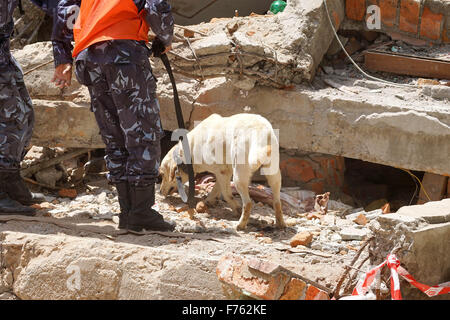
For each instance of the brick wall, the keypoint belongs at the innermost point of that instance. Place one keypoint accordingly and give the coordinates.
(312, 171)
(424, 19)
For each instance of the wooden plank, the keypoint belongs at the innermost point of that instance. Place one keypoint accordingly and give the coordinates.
(435, 185)
(407, 65)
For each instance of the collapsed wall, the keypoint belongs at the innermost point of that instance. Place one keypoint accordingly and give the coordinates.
(400, 127)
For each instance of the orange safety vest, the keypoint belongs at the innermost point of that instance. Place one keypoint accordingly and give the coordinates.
(101, 20)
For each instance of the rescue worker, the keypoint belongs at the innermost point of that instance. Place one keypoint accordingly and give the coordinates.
(112, 60)
(16, 118)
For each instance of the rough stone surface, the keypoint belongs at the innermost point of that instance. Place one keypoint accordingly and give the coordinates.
(422, 248)
(353, 234)
(46, 266)
(297, 39)
(154, 266)
(432, 212)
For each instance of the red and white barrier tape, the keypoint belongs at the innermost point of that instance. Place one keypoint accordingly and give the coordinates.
(394, 264)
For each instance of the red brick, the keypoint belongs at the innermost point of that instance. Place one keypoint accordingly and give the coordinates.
(430, 26)
(234, 271)
(263, 266)
(295, 290)
(446, 35)
(409, 16)
(336, 179)
(301, 239)
(317, 187)
(68, 193)
(388, 10)
(297, 170)
(355, 9)
(312, 293)
(341, 163)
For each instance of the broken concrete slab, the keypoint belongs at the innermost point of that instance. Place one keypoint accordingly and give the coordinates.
(63, 267)
(276, 50)
(433, 212)
(351, 233)
(422, 247)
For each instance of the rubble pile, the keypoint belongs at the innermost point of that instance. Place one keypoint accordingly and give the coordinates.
(274, 50)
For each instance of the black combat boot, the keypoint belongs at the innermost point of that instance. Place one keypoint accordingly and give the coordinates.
(141, 215)
(13, 184)
(124, 202)
(11, 207)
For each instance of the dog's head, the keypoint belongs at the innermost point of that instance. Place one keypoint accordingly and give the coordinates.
(168, 171)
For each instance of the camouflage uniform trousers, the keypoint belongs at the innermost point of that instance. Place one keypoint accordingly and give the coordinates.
(123, 99)
(16, 116)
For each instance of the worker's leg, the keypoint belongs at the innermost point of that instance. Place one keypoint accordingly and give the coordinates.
(106, 114)
(133, 89)
(16, 125)
(105, 111)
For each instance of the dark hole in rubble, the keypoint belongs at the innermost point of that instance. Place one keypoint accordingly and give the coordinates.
(369, 183)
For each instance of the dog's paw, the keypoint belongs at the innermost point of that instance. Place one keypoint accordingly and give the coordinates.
(241, 227)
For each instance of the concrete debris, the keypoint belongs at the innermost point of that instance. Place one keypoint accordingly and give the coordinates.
(259, 279)
(277, 50)
(353, 234)
(421, 237)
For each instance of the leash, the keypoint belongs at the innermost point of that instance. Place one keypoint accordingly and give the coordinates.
(181, 166)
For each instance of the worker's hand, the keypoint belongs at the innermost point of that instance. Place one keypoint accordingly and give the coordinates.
(167, 49)
(63, 75)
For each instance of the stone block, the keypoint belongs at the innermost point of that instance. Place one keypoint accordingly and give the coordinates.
(432, 212)
(351, 233)
(422, 250)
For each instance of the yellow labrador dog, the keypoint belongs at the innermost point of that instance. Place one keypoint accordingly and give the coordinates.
(230, 147)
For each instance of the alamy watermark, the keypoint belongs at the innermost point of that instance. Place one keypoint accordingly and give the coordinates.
(73, 283)
(373, 20)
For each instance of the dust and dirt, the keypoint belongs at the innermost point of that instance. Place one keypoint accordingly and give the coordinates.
(210, 235)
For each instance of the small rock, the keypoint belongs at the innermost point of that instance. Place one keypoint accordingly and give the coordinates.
(361, 219)
(303, 238)
(328, 69)
(201, 207)
(313, 215)
(68, 193)
(335, 237)
(292, 222)
(43, 205)
(266, 240)
(353, 234)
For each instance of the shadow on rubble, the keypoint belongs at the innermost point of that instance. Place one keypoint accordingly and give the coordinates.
(107, 230)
